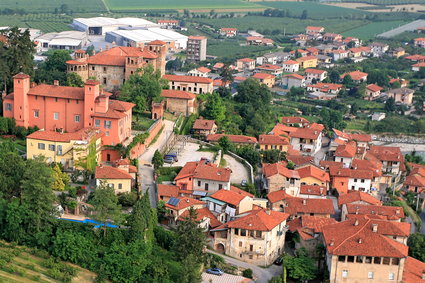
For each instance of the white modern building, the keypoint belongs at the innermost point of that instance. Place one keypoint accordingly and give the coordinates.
(102, 25)
(69, 40)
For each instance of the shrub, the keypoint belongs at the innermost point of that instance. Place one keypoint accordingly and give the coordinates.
(247, 273)
(127, 199)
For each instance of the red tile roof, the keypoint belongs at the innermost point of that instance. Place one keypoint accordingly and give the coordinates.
(273, 140)
(306, 58)
(306, 133)
(279, 168)
(57, 91)
(413, 271)
(202, 213)
(313, 28)
(295, 76)
(157, 42)
(202, 124)
(415, 180)
(324, 87)
(387, 153)
(282, 130)
(294, 120)
(116, 109)
(197, 37)
(356, 75)
(203, 70)
(232, 138)
(364, 164)
(290, 62)
(350, 173)
(109, 172)
(229, 196)
(246, 60)
(307, 226)
(201, 170)
(314, 71)
(116, 56)
(269, 67)
(354, 196)
(188, 79)
(346, 150)
(300, 159)
(313, 171)
(388, 212)
(356, 237)
(276, 196)
(263, 76)
(184, 203)
(415, 57)
(167, 191)
(374, 87)
(259, 220)
(83, 134)
(306, 206)
(328, 164)
(313, 190)
(179, 94)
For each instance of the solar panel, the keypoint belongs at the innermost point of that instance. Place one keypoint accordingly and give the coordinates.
(173, 201)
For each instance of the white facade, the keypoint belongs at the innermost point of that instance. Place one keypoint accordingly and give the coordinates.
(102, 25)
(345, 160)
(363, 185)
(209, 185)
(306, 146)
(291, 68)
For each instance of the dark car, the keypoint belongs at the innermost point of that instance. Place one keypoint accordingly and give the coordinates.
(172, 155)
(215, 271)
(279, 260)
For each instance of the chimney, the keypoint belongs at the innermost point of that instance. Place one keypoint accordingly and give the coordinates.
(33, 84)
(360, 241)
(423, 274)
(3, 94)
(187, 200)
(321, 190)
(375, 228)
(331, 243)
(397, 211)
(356, 223)
(268, 211)
(55, 82)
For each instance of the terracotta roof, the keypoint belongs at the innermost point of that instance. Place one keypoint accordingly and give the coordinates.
(202, 213)
(157, 42)
(259, 220)
(300, 159)
(419, 39)
(415, 180)
(203, 70)
(241, 192)
(361, 137)
(83, 134)
(179, 94)
(282, 130)
(263, 76)
(132, 169)
(315, 71)
(202, 124)
(354, 196)
(313, 190)
(295, 76)
(228, 29)
(368, 164)
(21, 76)
(350, 173)
(313, 223)
(355, 237)
(302, 205)
(328, 164)
(314, 28)
(184, 203)
(415, 57)
(356, 75)
(290, 62)
(374, 87)
(324, 87)
(294, 120)
(116, 56)
(109, 172)
(346, 150)
(229, 196)
(232, 138)
(276, 196)
(201, 170)
(313, 171)
(273, 140)
(306, 133)
(218, 65)
(57, 91)
(389, 212)
(279, 168)
(269, 67)
(168, 21)
(387, 153)
(306, 58)
(246, 60)
(197, 37)
(116, 109)
(419, 65)
(167, 191)
(413, 271)
(75, 62)
(188, 79)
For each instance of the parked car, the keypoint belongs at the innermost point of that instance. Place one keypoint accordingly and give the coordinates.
(244, 183)
(172, 155)
(215, 271)
(169, 160)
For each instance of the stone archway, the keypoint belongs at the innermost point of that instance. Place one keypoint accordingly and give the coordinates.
(219, 248)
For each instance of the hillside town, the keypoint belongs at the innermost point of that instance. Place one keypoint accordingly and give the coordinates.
(128, 150)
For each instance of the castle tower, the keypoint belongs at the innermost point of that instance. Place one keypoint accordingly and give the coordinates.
(91, 91)
(21, 85)
(160, 49)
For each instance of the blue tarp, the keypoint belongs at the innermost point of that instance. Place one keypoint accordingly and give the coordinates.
(90, 221)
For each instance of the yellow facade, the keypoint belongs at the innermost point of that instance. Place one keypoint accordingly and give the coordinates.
(310, 63)
(312, 181)
(120, 186)
(280, 147)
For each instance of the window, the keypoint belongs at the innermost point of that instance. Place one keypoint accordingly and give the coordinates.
(59, 149)
(41, 146)
(77, 118)
(341, 258)
(370, 275)
(52, 147)
(107, 124)
(251, 248)
(355, 180)
(220, 186)
(93, 68)
(56, 116)
(391, 276)
(199, 183)
(119, 186)
(56, 99)
(104, 81)
(97, 123)
(350, 258)
(107, 133)
(344, 273)
(368, 259)
(8, 107)
(36, 113)
(395, 261)
(111, 185)
(362, 180)
(104, 69)
(243, 232)
(377, 260)
(240, 243)
(359, 259)
(236, 231)
(386, 260)
(206, 187)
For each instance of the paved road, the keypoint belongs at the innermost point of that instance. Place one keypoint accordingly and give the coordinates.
(145, 167)
(407, 27)
(262, 275)
(321, 154)
(239, 171)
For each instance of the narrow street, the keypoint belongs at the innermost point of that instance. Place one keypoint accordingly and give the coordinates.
(146, 169)
(262, 275)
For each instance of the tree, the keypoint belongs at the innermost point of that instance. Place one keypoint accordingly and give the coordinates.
(105, 206)
(74, 79)
(390, 105)
(416, 243)
(253, 93)
(16, 55)
(247, 273)
(273, 156)
(142, 220)
(378, 77)
(214, 108)
(60, 179)
(300, 267)
(225, 144)
(157, 160)
(290, 165)
(73, 247)
(332, 119)
(190, 238)
(334, 76)
(54, 68)
(143, 87)
(354, 108)
(226, 74)
(347, 81)
(304, 15)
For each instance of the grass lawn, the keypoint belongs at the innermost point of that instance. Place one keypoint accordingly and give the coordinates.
(372, 29)
(357, 124)
(142, 123)
(120, 5)
(167, 174)
(364, 104)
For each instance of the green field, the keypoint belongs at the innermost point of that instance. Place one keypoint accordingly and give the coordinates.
(127, 5)
(372, 29)
(289, 25)
(46, 6)
(386, 2)
(314, 10)
(44, 22)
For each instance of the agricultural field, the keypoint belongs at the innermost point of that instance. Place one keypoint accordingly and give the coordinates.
(22, 264)
(44, 22)
(129, 5)
(288, 25)
(370, 30)
(314, 10)
(46, 6)
(386, 2)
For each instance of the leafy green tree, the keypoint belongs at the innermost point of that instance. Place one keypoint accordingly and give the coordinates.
(225, 144)
(290, 165)
(15, 215)
(16, 55)
(253, 93)
(347, 81)
(105, 206)
(332, 119)
(226, 74)
(60, 179)
(143, 87)
(390, 105)
(157, 160)
(214, 108)
(334, 76)
(354, 108)
(378, 77)
(142, 220)
(72, 246)
(304, 15)
(249, 154)
(300, 267)
(416, 243)
(12, 169)
(273, 156)
(74, 79)
(368, 126)
(191, 270)
(54, 68)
